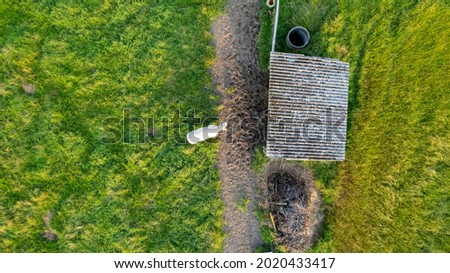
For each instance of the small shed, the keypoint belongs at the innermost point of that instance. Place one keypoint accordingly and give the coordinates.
(308, 102)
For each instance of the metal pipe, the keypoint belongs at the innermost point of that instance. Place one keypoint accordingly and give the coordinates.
(275, 26)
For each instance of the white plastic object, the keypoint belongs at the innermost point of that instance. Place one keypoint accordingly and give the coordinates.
(205, 133)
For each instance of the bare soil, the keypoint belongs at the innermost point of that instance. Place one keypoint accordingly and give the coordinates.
(49, 234)
(243, 90)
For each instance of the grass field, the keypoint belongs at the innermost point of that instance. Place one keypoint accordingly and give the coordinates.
(391, 194)
(89, 63)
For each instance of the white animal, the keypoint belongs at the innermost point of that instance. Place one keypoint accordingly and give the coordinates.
(205, 133)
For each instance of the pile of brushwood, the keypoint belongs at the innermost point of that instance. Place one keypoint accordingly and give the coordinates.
(294, 204)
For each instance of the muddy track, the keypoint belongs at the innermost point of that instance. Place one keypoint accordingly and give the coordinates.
(243, 91)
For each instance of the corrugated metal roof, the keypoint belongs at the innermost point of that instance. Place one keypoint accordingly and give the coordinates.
(308, 101)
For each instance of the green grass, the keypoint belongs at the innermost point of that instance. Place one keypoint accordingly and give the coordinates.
(259, 159)
(310, 14)
(89, 62)
(391, 194)
(242, 204)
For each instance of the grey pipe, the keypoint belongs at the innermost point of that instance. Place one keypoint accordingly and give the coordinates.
(275, 26)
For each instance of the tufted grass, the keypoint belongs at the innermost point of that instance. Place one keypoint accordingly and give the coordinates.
(91, 63)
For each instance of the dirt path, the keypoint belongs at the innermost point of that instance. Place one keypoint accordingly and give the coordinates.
(243, 90)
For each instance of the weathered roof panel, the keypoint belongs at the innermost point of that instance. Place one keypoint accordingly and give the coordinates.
(308, 101)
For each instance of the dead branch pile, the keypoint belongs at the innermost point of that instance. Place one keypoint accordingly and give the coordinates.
(294, 203)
